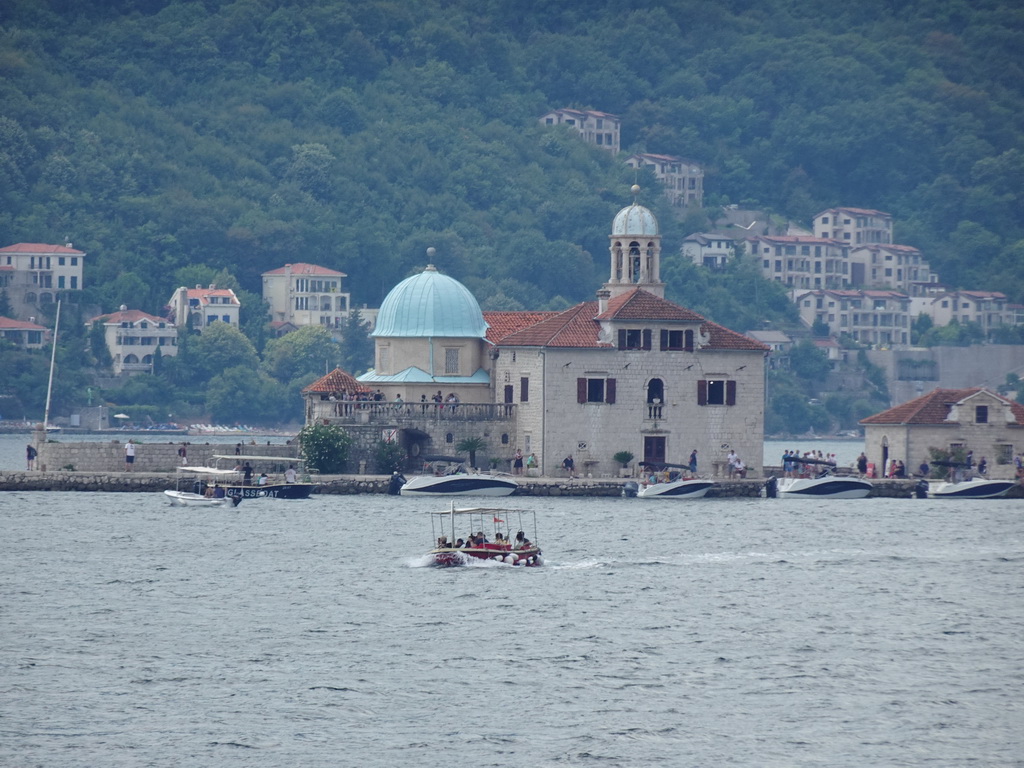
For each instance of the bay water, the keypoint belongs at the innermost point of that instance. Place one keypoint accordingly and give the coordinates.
(756, 632)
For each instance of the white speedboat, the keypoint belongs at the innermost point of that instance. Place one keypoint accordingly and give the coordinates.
(460, 484)
(674, 485)
(693, 488)
(449, 478)
(825, 485)
(974, 488)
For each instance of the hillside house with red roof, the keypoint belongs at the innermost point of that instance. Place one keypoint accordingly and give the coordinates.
(32, 274)
(134, 339)
(204, 306)
(973, 418)
(598, 128)
(23, 334)
(306, 294)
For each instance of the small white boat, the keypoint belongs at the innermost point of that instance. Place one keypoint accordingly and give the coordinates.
(676, 486)
(826, 485)
(455, 481)
(189, 499)
(974, 488)
(193, 483)
(693, 488)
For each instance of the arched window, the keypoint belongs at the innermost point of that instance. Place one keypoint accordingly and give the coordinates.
(449, 438)
(131, 359)
(655, 398)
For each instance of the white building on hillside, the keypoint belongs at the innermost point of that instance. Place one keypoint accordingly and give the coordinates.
(32, 274)
(682, 179)
(709, 249)
(598, 128)
(135, 338)
(204, 306)
(306, 294)
(854, 226)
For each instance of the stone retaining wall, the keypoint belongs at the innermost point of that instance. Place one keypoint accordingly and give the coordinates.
(154, 482)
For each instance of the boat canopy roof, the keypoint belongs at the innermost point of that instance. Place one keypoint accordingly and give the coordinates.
(451, 459)
(657, 464)
(206, 471)
(242, 458)
(480, 511)
(950, 463)
(798, 460)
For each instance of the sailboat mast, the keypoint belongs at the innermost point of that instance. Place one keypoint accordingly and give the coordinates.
(53, 359)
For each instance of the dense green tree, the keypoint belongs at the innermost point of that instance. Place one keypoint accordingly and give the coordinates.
(308, 350)
(221, 346)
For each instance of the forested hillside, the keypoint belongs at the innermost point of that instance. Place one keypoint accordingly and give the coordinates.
(241, 135)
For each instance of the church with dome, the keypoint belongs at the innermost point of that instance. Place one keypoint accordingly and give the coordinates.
(628, 371)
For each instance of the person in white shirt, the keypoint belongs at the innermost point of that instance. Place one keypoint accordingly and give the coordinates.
(289, 475)
(731, 458)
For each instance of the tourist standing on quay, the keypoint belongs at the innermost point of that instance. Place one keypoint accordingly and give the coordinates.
(129, 455)
(30, 456)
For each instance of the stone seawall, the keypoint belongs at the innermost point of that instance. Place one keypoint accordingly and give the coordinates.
(154, 482)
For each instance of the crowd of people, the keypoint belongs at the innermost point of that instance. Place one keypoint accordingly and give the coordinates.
(478, 540)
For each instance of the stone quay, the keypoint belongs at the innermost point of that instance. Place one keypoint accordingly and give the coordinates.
(154, 482)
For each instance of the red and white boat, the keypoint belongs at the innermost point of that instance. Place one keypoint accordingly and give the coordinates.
(475, 544)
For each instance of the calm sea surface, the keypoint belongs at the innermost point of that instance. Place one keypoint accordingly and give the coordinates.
(703, 633)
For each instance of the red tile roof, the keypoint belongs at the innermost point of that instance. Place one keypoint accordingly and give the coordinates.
(306, 269)
(335, 381)
(934, 407)
(41, 248)
(8, 324)
(580, 326)
(128, 316)
(502, 324)
(638, 304)
(575, 327)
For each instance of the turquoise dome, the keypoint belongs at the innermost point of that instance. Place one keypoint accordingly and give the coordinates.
(634, 220)
(430, 304)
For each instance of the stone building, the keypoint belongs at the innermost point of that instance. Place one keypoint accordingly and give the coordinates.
(629, 371)
(972, 418)
(682, 180)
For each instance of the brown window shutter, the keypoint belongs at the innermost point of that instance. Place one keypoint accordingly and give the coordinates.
(688, 337)
(581, 390)
(664, 339)
(524, 389)
(622, 338)
(609, 391)
(730, 393)
(702, 392)
(647, 338)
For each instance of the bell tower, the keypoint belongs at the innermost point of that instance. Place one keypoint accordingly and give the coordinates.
(635, 250)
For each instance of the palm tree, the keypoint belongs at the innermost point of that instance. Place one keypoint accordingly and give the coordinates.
(471, 445)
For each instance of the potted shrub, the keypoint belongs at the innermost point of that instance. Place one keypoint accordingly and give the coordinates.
(623, 457)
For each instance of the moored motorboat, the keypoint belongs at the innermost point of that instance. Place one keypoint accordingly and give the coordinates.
(974, 488)
(671, 484)
(518, 550)
(297, 483)
(826, 484)
(455, 481)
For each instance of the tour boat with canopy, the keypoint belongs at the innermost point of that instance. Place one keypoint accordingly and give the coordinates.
(451, 479)
(961, 485)
(673, 485)
(300, 488)
(826, 484)
(512, 549)
(193, 483)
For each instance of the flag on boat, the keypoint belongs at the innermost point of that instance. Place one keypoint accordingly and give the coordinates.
(498, 520)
